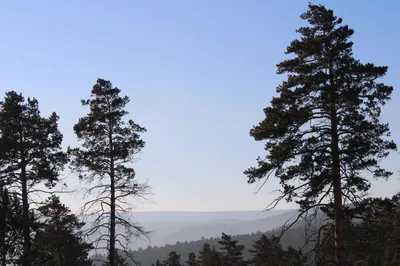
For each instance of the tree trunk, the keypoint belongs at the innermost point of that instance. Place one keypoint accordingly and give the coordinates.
(112, 221)
(336, 179)
(112, 202)
(25, 216)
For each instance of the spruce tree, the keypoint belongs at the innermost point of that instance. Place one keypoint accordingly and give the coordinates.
(231, 252)
(31, 154)
(266, 251)
(174, 259)
(323, 131)
(59, 239)
(110, 144)
(209, 256)
(192, 261)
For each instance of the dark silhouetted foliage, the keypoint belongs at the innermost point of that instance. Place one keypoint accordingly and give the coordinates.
(323, 130)
(174, 259)
(109, 146)
(59, 240)
(192, 260)
(232, 253)
(32, 154)
(10, 227)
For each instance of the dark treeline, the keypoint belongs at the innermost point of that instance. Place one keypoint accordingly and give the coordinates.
(372, 238)
(323, 136)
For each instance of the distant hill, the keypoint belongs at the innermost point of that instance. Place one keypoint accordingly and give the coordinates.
(170, 227)
(232, 227)
(190, 236)
(294, 237)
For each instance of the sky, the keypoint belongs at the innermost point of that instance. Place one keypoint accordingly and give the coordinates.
(198, 74)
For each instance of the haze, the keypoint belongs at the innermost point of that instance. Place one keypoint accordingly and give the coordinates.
(198, 75)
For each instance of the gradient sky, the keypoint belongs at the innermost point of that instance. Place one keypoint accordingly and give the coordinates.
(198, 74)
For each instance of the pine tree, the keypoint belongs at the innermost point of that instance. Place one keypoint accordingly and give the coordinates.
(294, 257)
(109, 146)
(10, 227)
(31, 154)
(209, 256)
(192, 261)
(59, 240)
(371, 239)
(174, 259)
(232, 253)
(268, 251)
(323, 130)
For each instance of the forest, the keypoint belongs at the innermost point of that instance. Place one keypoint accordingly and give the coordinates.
(324, 142)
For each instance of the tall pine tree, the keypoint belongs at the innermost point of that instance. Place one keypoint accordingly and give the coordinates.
(110, 144)
(31, 154)
(323, 132)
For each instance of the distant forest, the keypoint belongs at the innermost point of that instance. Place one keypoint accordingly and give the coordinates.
(294, 237)
(372, 239)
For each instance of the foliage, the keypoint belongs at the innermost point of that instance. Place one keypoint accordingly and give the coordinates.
(268, 251)
(59, 240)
(31, 154)
(324, 130)
(174, 259)
(119, 260)
(192, 260)
(109, 146)
(209, 256)
(372, 234)
(10, 227)
(232, 253)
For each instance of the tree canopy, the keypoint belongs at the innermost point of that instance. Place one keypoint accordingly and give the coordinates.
(323, 131)
(110, 144)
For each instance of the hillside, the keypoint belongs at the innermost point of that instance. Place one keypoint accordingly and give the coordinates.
(237, 228)
(294, 237)
(171, 227)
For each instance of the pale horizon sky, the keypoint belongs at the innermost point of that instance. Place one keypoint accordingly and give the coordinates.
(198, 74)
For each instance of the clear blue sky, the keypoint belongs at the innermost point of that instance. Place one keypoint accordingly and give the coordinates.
(198, 74)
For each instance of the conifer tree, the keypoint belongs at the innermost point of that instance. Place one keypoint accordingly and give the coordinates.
(192, 260)
(10, 227)
(209, 256)
(232, 253)
(268, 251)
(110, 144)
(31, 154)
(174, 259)
(323, 130)
(59, 240)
